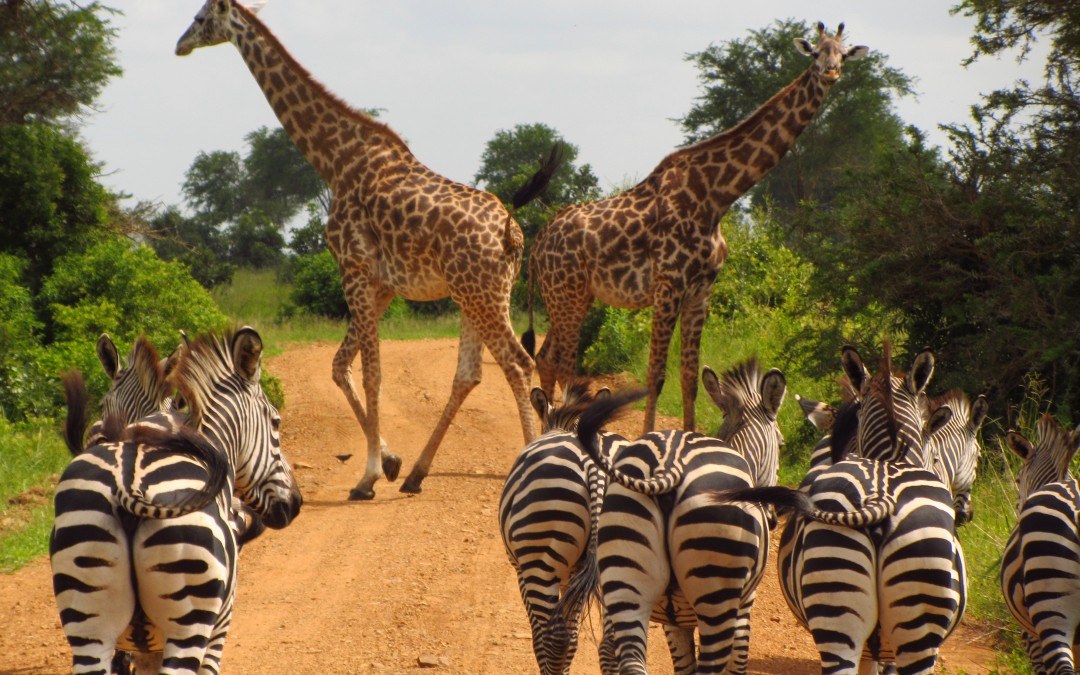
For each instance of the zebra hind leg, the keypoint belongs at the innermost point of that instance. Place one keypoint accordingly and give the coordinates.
(683, 651)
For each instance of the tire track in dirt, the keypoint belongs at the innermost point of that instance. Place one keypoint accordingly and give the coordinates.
(370, 587)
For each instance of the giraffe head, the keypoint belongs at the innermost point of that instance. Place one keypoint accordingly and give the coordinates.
(211, 25)
(829, 53)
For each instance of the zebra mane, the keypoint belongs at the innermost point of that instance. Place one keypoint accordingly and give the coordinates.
(844, 429)
(1058, 444)
(575, 400)
(740, 390)
(202, 362)
(957, 401)
(147, 365)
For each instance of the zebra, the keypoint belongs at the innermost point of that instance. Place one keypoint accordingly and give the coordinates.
(954, 450)
(1041, 563)
(876, 562)
(665, 553)
(547, 513)
(142, 550)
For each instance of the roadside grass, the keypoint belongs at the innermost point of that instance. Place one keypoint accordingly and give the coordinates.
(31, 456)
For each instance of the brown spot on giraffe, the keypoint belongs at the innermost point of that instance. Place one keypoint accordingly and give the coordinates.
(472, 247)
(581, 255)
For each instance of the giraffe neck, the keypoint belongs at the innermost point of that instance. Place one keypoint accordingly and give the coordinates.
(734, 160)
(330, 134)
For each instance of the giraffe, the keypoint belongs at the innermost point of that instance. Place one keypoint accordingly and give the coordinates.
(659, 243)
(395, 227)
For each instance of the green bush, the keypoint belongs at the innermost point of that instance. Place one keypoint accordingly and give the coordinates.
(19, 334)
(122, 289)
(317, 286)
(623, 336)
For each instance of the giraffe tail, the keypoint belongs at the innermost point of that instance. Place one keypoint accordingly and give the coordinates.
(528, 338)
(538, 182)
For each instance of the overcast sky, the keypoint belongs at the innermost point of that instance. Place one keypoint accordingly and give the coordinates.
(609, 75)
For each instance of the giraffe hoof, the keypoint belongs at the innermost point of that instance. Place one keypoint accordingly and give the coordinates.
(360, 494)
(412, 485)
(391, 466)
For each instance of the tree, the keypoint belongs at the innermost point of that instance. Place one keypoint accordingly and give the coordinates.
(855, 123)
(512, 156)
(193, 241)
(55, 58)
(50, 204)
(277, 179)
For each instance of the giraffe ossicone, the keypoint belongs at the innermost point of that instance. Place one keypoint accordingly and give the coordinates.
(395, 228)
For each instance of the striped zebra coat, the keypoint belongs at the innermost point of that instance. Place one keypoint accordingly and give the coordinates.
(875, 561)
(668, 554)
(548, 512)
(1040, 569)
(143, 550)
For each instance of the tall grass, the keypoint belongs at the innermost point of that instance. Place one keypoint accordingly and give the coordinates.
(31, 454)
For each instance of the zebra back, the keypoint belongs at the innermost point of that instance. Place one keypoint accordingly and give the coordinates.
(596, 416)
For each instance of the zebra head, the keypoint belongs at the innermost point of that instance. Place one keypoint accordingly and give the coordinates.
(954, 451)
(1045, 463)
(217, 378)
(750, 403)
(565, 417)
(137, 388)
(893, 422)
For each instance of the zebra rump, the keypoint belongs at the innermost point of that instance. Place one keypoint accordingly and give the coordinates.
(595, 417)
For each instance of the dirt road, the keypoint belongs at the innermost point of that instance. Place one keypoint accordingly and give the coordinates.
(375, 587)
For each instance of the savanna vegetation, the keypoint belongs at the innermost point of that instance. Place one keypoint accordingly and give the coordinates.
(865, 231)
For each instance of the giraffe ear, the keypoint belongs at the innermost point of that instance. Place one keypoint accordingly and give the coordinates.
(255, 6)
(856, 52)
(804, 47)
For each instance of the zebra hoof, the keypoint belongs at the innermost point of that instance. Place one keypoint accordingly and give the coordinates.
(391, 466)
(412, 485)
(360, 494)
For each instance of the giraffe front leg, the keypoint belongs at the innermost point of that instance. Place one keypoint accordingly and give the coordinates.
(665, 311)
(466, 378)
(694, 311)
(362, 337)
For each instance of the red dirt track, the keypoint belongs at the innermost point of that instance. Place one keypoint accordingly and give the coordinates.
(371, 587)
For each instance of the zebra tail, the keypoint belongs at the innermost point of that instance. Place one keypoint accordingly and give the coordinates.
(585, 581)
(76, 422)
(875, 509)
(600, 413)
(181, 441)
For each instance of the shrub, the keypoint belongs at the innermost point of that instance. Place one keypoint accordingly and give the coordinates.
(317, 285)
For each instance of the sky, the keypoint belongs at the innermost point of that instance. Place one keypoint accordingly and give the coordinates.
(609, 75)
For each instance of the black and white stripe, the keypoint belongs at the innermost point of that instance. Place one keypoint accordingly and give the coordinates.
(895, 586)
(1040, 568)
(666, 552)
(954, 450)
(143, 549)
(548, 511)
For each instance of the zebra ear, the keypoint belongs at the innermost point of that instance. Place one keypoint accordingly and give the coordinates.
(539, 402)
(853, 367)
(106, 353)
(1020, 446)
(939, 419)
(247, 353)
(979, 409)
(715, 391)
(921, 372)
(773, 388)
(821, 415)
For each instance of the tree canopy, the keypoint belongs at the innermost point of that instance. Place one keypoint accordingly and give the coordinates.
(55, 58)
